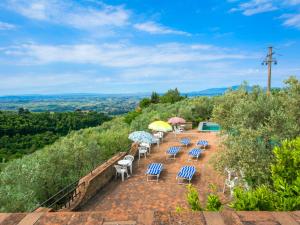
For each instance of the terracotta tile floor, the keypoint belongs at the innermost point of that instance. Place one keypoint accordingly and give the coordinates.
(125, 200)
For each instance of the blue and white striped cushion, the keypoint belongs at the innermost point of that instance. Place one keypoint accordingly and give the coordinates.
(195, 152)
(202, 142)
(187, 172)
(173, 150)
(154, 168)
(185, 141)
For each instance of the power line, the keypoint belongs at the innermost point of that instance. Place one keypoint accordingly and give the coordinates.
(268, 61)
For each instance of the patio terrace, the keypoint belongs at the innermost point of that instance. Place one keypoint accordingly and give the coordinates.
(126, 200)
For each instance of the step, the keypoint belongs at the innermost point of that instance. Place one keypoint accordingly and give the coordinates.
(120, 223)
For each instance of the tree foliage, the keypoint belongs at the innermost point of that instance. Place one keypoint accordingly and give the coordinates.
(284, 192)
(25, 132)
(171, 96)
(26, 182)
(252, 124)
(195, 110)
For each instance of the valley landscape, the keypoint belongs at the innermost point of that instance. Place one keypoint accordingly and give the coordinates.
(149, 112)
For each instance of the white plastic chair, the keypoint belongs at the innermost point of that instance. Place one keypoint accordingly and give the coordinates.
(131, 159)
(156, 140)
(146, 145)
(230, 184)
(142, 151)
(161, 135)
(246, 185)
(121, 170)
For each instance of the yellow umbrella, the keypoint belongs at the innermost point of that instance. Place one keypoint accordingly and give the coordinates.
(160, 126)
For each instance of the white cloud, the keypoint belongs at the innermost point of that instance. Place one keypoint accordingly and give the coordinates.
(154, 28)
(292, 2)
(292, 20)
(255, 7)
(71, 13)
(6, 26)
(120, 55)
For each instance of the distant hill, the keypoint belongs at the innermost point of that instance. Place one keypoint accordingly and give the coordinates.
(84, 97)
(213, 91)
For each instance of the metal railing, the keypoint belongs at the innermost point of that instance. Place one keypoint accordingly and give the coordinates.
(63, 198)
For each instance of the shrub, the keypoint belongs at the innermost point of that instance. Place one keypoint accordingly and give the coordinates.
(213, 203)
(286, 175)
(131, 116)
(284, 193)
(193, 198)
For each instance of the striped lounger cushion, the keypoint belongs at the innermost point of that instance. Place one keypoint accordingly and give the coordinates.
(185, 141)
(173, 150)
(195, 152)
(187, 172)
(154, 168)
(202, 143)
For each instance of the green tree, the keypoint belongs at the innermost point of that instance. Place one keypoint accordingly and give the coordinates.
(131, 116)
(27, 182)
(171, 96)
(22, 133)
(145, 102)
(154, 98)
(252, 124)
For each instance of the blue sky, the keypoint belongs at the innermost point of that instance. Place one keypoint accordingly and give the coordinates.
(113, 46)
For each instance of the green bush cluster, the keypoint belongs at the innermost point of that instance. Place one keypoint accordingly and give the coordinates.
(213, 201)
(284, 192)
(171, 96)
(252, 124)
(193, 198)
(26, 182)
(194, 109)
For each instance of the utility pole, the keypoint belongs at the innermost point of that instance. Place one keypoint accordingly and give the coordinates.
(268, 61)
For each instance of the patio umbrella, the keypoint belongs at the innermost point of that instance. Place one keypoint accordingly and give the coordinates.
(141, 137)
(176, 120)
(160, 126)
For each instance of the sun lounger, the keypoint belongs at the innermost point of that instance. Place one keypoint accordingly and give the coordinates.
(185, 141)
(202, 143)
(195, 153)
(154, 169)
(172, 151)
(186, 173)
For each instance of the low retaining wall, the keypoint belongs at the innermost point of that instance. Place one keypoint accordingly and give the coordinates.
(155, 217)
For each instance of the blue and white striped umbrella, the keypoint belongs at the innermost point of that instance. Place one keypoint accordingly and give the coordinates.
(141, 137)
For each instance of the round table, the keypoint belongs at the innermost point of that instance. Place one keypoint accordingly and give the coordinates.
(125, 163)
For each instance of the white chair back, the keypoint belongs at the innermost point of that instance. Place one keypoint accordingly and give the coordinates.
(161, 134)
(129, 157)
(147, 145)
(118, 168)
